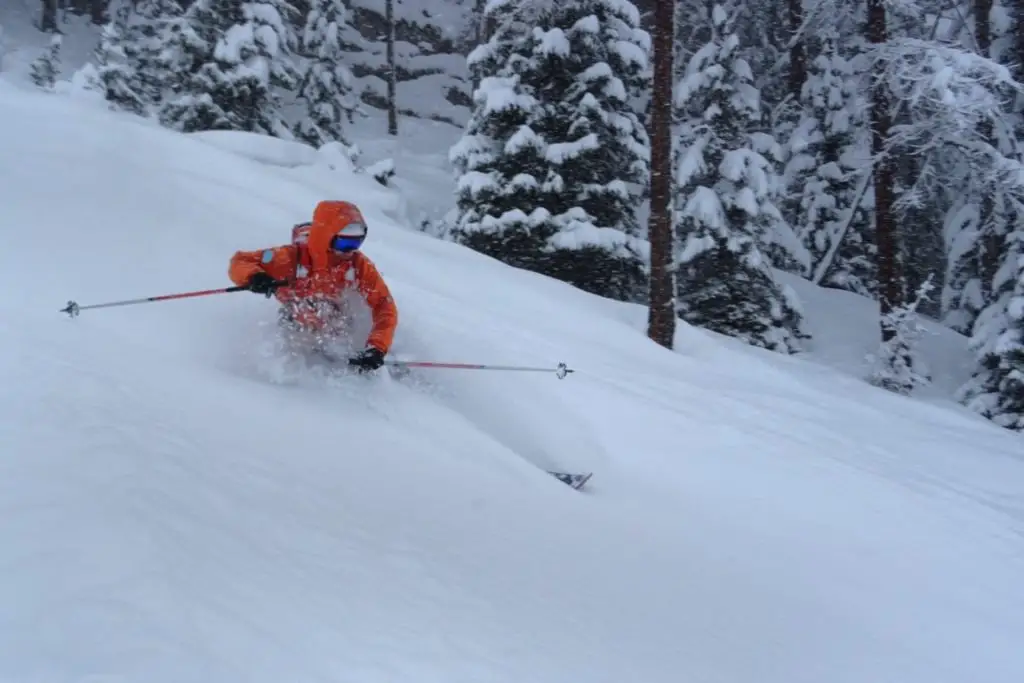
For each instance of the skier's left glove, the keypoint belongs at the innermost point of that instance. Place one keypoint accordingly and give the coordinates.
(262, 283)
(369, 359)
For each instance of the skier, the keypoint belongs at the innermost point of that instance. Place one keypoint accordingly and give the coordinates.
(314, 277)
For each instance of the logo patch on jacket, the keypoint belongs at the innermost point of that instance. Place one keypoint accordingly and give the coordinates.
(268, 255)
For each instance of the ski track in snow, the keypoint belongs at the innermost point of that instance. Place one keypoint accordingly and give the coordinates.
(178, 505)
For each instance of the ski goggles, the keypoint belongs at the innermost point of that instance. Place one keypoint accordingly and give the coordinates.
(349, 238)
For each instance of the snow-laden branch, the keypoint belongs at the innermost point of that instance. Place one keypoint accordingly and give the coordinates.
(949, 92)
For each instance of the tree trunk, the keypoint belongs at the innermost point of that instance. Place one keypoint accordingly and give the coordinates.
(797, 53)
(1016, 57)
(48, 22)
(98, 11)
(389, 19)
(482, 33)
(661, 315)
(890, 286)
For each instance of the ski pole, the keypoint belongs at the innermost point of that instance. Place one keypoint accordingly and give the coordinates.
(560, 371)
(73, 309)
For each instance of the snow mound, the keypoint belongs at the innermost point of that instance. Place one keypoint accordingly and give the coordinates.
(260, 148)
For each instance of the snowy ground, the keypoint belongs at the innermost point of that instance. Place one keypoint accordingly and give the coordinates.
(179, 504)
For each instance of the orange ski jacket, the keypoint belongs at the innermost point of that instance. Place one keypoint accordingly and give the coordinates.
(315, 272)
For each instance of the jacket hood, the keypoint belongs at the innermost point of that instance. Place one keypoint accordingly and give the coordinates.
(329, 218)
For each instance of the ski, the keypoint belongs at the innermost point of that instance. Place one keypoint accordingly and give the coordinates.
(576, 481)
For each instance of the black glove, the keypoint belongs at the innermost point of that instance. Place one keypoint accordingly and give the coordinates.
(369, 359)
(261, 283)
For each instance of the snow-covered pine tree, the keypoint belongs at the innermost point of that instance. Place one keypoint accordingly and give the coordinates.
(47, 66)
(554, 156)
(1014, 36)
(898, 365)
(724, 207)
(190, 104)
(963, 296)
(981, 208)
(114, 72)
(826, 154)
(944, 96)
(996, 390)
(160, 50)
(984, 294)
(242, 55)
(327, 85)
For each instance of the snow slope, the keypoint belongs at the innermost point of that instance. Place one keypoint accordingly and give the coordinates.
(178, 503)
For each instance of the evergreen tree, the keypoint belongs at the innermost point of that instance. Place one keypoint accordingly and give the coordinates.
(327, 86)
(964, 295)
(898, 366)
(826, 152)
(241, 54)
(116, 76)
(983, 200)
(931, 103)
(159, 47)
(47, 66)
(554, 157)
(725, 210)
(996, 390)
(191, 104)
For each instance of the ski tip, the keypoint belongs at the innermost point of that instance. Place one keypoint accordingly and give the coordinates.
(573, 480)
(71, 309)
(583, 480)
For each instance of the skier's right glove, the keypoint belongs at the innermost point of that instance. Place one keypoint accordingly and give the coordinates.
(262, 283)
(368, 360)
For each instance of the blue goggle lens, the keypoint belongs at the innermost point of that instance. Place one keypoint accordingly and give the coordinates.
(345, 244)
